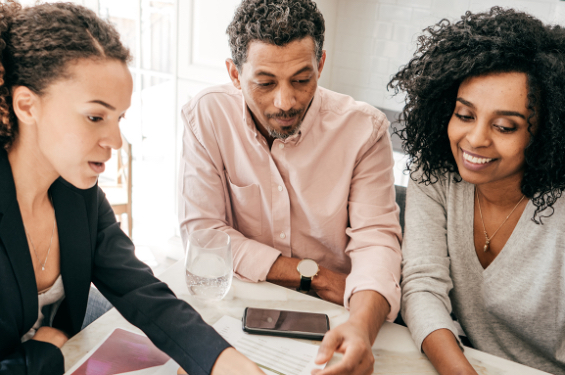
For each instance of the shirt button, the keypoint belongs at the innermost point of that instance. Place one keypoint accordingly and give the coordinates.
(280, 188)
(281, 145)
(282, 235)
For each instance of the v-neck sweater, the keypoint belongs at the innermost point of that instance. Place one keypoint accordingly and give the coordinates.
(515, 308)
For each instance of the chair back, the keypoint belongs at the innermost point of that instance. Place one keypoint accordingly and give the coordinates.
(401, 201)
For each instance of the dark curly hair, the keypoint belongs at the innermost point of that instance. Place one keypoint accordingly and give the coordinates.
(276, 22)
(501, 40)
(37, 43)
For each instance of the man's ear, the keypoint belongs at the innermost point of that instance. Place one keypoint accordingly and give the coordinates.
(321, 63)
(234, 73)
(24, 102)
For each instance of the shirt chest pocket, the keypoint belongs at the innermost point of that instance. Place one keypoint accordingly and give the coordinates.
(246, 208)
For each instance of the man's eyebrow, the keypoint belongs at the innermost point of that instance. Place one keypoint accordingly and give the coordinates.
(305, 69)
(499, 113)
(265, 73)
(103, 103)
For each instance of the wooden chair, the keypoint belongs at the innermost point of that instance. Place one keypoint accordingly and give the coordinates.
(119, 191)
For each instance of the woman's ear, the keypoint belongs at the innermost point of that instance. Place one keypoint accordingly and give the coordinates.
(24, 102)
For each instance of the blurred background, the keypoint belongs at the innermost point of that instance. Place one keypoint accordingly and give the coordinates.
(179, 48)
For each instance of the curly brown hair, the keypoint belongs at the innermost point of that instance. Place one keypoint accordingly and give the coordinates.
(36, 45)
(500, 40)
(276, 22)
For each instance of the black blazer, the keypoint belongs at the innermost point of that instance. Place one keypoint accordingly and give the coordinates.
(94, 249)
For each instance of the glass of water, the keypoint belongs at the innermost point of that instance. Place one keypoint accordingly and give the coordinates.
(209, 264)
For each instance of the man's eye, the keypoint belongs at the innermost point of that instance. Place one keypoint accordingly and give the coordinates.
(303, 81)
(463, 117)
(264, 84)
(94, 118)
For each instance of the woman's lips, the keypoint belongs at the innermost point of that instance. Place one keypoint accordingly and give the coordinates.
(475, 162)
(97, 166)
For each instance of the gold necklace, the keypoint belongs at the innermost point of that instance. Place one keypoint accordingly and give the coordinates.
(487, 243)
(50, 242)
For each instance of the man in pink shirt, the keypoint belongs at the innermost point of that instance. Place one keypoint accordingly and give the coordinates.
(292, 171)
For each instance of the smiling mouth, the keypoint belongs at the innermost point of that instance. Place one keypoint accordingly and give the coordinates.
(475, 159)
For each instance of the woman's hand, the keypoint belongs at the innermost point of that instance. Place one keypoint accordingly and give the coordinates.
(444, 353)
(232, 362)
(51, 335)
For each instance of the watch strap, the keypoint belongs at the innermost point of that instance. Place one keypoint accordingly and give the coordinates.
(305, 284)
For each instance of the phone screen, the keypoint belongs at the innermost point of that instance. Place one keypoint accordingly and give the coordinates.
(286, 321)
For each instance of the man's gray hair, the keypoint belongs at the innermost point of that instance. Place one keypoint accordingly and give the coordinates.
(277, 22)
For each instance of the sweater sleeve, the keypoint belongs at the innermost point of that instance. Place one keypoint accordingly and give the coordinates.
(426, 283)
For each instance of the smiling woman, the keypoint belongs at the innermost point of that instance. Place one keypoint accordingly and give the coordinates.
(484, 237)
(64, 87)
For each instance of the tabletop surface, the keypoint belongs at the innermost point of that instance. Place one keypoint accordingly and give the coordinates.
(394, 350)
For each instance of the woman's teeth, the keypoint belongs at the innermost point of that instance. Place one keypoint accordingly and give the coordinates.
(474, 159)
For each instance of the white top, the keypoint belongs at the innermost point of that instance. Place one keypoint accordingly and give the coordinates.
(50, 298)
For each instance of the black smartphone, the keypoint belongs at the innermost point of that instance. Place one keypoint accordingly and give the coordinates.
(296, 324)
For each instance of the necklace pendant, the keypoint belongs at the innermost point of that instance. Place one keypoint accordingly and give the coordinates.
(43, 268)
(485, 248)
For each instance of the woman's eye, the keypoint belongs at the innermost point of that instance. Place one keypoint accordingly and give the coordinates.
(504, 129)
(94, 118)
(463, 117)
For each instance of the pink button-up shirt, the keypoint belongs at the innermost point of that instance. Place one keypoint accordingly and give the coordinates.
(325, 193)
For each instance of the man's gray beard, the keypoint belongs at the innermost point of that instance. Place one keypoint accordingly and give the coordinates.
(275, 134)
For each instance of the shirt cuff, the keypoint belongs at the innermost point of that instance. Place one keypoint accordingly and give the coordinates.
(381, 281)
(253, 260)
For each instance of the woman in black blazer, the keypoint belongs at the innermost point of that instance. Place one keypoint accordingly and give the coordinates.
(65, 86)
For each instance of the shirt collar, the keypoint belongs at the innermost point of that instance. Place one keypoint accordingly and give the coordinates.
(311, 116)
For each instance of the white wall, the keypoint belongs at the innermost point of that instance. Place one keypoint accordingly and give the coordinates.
(375, 37)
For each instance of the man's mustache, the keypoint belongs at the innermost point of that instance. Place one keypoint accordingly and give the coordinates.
(285, 114)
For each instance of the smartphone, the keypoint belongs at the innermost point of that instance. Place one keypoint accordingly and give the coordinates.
(296, 324)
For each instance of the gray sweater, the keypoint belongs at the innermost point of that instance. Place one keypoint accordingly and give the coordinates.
(515, 308)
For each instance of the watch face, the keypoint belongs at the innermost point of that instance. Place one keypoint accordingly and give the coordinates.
(307, 268)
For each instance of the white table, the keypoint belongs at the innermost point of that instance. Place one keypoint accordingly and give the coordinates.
(394, 350)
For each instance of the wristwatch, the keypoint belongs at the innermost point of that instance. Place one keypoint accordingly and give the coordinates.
(307, 268)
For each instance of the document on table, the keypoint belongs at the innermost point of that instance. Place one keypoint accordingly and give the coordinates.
(274, 355)
(125, 353)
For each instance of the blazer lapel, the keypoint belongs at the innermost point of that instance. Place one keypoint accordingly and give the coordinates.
(12, 235)
(75, 249)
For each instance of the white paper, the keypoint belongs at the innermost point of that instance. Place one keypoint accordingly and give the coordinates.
(274, 355)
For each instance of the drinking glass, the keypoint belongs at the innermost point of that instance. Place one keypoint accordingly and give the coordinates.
(208, 264)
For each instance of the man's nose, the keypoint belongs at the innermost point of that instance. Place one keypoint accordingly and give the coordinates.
(285, 97)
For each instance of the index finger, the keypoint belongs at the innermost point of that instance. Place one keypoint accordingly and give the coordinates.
(330, 343)
(353, 362)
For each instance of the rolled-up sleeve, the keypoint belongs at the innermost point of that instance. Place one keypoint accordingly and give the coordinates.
(374, 231)
(205, 202)
(426, 280)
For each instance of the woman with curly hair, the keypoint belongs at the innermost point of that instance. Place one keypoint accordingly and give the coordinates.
(484, 236)
(64, 86)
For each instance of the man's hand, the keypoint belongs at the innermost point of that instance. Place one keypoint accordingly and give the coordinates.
(351, 340)
(232, 362)
(329, 285)
(355, 337)
(51, 335)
